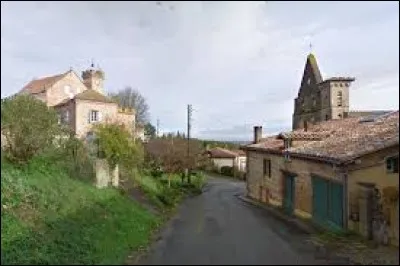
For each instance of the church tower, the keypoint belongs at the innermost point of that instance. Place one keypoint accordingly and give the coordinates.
(94, 79)
(320, 100)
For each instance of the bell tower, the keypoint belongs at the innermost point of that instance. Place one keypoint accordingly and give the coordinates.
(94, 79)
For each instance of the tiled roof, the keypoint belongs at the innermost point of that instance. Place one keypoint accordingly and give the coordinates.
(40, 85)
(271, 143)
(239, 152)
(339, 140)
(93, 95)
(351, 140)
(89, 95)
(221, 153)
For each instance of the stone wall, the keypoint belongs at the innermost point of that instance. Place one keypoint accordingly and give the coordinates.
(57, 94)
(372, 169)
(274, 185)
(83, 126)
(104, 175)
(126, 118)
(70, 107)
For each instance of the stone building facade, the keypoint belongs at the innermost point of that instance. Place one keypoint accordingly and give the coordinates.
(318, 173)
(80, 103)
(321, 99)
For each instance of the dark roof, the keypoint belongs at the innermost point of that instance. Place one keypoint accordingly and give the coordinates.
(367, 113)
(347, 79)
(40, 85)
(338, 140)
(92, 95)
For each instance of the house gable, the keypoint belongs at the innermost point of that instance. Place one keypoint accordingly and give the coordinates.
(64, 88)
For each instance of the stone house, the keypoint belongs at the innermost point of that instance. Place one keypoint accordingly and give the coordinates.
(221, 157)
(321, 99)
(328, 173)
(80, 102)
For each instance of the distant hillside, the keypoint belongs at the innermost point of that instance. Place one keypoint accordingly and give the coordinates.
(229, 144)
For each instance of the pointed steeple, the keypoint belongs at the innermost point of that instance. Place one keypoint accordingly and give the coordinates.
(313, 65)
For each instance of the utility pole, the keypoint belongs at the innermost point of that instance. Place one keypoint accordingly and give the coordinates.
(158, 127)
(189, 120)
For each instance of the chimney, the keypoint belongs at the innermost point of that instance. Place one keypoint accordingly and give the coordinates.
(257, 134)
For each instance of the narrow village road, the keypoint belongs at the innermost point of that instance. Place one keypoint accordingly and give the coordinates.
(218, 228)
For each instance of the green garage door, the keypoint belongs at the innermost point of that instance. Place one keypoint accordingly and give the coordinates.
(327, 203)
(288, 200)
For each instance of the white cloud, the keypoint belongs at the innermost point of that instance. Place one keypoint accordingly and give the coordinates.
(238, 63)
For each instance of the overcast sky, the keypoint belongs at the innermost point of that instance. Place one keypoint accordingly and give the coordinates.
(238, 63)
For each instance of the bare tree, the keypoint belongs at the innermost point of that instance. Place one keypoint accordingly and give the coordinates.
(131, 98)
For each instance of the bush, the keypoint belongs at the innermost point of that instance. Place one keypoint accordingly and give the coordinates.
(28, 126)
(117, 146)
(227, 170)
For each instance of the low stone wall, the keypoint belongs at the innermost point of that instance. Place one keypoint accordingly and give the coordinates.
(104, 175)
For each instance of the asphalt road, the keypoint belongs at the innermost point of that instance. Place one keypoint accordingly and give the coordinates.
(219, 228)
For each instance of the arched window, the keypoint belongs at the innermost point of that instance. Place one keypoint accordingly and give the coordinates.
(340, 98)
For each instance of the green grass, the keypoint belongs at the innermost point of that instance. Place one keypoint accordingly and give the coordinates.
(162, 196)
(49, 218)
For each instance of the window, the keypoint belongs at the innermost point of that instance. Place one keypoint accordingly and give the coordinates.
(267, 167)
(308, 81)
(94, 116)
(66, 116)
(339, 98)
(340, 116)
(392, 164)
(326, 117)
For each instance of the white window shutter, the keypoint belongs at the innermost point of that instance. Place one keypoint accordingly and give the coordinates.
(89, 120)
(100, 116)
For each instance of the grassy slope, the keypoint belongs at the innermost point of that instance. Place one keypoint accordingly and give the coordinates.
(48, 217)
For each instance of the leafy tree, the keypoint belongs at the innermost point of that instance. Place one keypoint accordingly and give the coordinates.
(150, 130)
(117, 146)
(131, 98)
(172, 156)
(28, 127)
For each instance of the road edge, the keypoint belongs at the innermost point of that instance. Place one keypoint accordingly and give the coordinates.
(278, 213)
